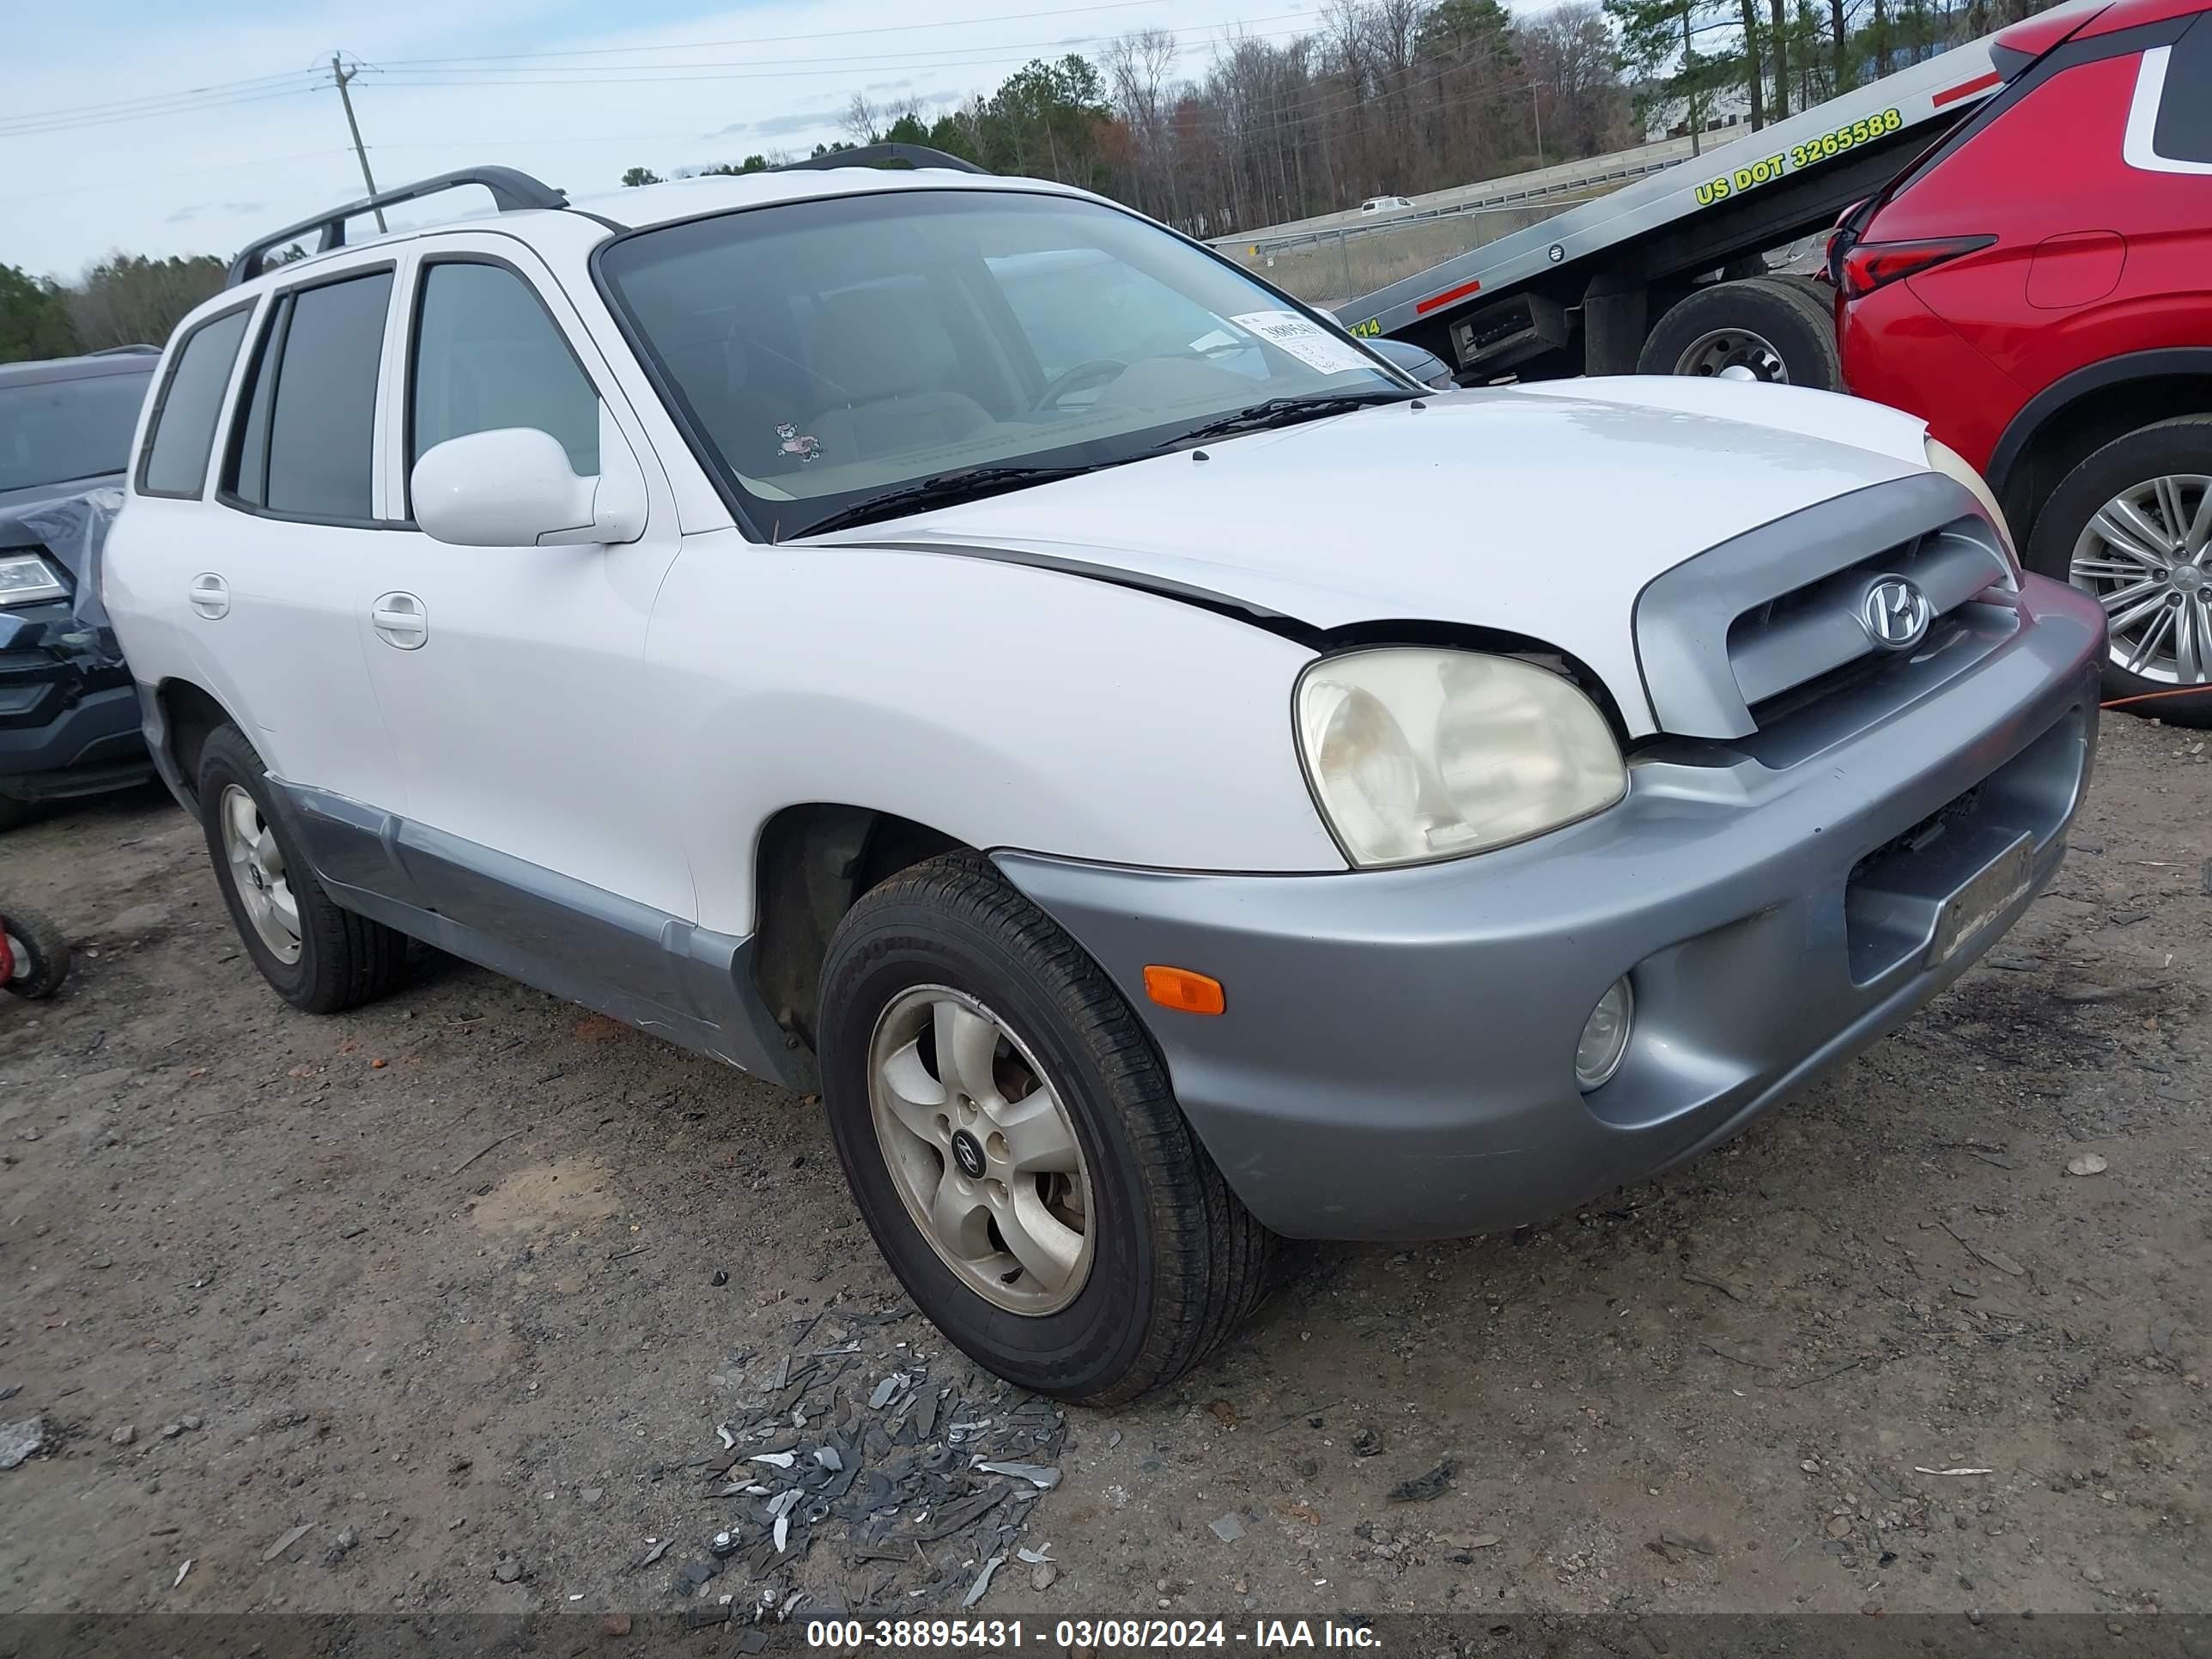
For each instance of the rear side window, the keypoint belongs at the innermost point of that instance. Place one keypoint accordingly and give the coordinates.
(2183, 132)
(183, 428)
(306, 444)
(487, 354)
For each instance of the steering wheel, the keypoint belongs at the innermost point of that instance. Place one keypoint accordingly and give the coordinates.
(1098, 370)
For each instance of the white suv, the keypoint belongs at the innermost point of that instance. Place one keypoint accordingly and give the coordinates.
(1167, 780)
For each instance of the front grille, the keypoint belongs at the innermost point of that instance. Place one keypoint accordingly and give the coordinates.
(1798, 638)
(1861, 674)
(1765, 627)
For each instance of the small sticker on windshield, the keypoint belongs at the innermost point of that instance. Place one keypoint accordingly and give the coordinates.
(1306, 340)
(805, 446)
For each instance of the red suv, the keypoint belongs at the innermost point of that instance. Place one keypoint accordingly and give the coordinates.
(2038, 286)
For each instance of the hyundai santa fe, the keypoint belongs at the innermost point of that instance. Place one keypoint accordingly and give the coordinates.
(1169, 780)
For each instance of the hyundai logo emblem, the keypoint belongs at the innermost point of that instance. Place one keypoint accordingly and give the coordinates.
(1895, 613)
(967, 1153)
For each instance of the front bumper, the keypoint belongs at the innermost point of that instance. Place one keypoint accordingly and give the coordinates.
(68, 726)
(1396, 1058)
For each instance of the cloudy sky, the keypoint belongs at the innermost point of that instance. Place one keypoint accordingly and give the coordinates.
(150, 127)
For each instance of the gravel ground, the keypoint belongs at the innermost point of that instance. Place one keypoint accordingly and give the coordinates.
(464, 1284)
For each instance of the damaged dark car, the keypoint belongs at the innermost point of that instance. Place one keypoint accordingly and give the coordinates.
(69, 716)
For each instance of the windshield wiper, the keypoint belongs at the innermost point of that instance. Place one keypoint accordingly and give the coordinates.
(941, 489)
(1288, 411)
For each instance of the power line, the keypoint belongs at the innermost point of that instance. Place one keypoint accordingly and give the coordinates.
(772, 39)
(588, 72)
(485, 71)
(180, 109)
(111, 105)
(1016, 55)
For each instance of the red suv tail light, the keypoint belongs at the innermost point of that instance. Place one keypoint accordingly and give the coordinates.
(1869, 265)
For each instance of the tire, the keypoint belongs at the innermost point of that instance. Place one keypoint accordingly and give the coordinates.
(1174, 1261)
(14, 812)
(41, 950)
(1773, 326)
(339, 960)
(2179, 450)
(1818, 294)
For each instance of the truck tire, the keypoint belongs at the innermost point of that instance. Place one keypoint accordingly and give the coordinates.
(1764, 328)
(1010, 1138)
(37, 951)
(2145, 477)
(314, 955)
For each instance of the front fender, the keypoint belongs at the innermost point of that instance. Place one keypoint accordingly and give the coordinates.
(1002, 705)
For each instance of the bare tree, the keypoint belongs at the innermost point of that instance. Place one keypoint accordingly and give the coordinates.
(1138, 65)
(860, 117)
(128, 299)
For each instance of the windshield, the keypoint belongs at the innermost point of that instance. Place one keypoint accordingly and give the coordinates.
(59, 431)
(834, 351)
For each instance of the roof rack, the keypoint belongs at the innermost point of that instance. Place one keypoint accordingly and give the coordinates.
(869, 155)
(511, 193)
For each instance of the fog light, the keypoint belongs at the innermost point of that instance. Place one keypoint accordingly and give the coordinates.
(1605, 1037)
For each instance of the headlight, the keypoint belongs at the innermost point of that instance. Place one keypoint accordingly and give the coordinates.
(26, 579)
(1417, 754)
(1950, 462)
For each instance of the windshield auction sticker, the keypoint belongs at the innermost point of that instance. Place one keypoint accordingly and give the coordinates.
(1305, 340)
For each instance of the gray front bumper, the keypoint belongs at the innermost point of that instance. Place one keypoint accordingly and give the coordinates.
(1396, 1059)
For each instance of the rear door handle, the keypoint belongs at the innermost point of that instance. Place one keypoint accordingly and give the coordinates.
(400, 620)
(209, 596)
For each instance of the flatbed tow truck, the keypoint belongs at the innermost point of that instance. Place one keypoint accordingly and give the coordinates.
(1666, 274)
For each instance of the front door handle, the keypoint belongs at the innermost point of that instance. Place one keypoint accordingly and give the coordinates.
(209, 596)
(400, 620)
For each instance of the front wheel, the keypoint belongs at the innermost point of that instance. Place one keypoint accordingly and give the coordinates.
(2133, 526)
(1010, 1136)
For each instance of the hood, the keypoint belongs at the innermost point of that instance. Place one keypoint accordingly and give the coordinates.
(1539, 511)
(31, 495)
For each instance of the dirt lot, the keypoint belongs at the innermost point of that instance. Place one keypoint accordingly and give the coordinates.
(442, 1282)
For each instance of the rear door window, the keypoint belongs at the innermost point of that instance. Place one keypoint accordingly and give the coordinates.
(183, 428)
(307, 441)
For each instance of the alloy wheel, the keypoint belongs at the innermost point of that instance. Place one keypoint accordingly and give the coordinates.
(2147, 556)
(257, 870)
(981, 1150)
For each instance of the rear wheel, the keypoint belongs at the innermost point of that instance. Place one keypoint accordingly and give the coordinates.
(315, 954)
(1774, 329)
(38, 954)
(2132, 525)
(1010, 1136)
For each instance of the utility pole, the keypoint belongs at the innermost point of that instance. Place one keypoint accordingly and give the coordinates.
(1536, 110)
(341, 74)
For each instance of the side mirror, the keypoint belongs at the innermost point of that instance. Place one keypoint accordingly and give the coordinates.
(513, 487)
